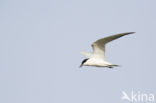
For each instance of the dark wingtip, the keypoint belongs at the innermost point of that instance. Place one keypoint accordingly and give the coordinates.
(130, 32)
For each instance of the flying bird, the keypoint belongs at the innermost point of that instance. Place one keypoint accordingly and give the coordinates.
(97, 58)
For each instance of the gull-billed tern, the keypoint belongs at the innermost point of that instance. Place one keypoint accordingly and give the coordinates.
(97, 58)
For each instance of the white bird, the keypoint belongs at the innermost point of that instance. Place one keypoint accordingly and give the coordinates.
(97, 58)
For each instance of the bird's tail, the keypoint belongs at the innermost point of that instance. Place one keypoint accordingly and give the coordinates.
(113, 65)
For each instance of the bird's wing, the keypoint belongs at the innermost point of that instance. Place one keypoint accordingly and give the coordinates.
(88, 55)
(99, 45)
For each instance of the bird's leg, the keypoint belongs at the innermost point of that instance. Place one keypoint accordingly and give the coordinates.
(111, 67)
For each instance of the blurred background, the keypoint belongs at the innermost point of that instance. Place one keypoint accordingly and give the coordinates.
(40, 41)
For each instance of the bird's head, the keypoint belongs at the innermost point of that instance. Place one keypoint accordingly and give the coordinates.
(85, 60)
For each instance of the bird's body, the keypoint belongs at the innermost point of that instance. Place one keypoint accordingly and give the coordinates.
(97, 58)
(97, 62)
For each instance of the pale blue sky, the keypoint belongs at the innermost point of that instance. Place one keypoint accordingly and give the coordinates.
(40, 43)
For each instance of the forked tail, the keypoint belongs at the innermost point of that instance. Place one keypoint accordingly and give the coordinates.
(113, 65)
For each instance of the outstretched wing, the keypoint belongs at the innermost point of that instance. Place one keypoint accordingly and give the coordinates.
(99, 45)
(88, 55)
